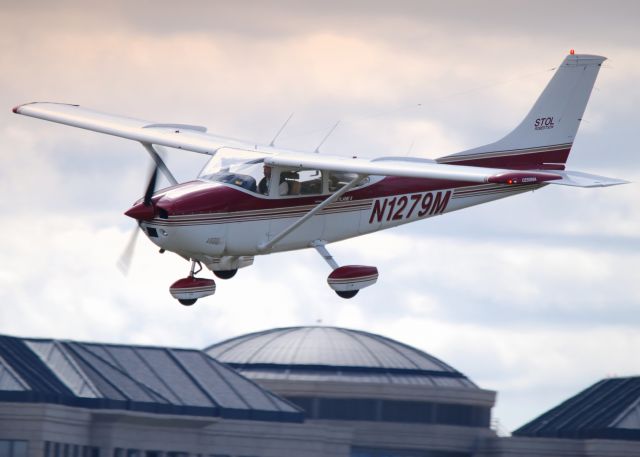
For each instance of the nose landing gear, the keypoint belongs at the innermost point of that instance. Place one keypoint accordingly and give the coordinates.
(188, 290)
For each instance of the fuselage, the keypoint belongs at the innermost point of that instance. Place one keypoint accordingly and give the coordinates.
(204, 220)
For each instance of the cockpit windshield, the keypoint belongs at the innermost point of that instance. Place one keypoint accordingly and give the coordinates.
(233, 166)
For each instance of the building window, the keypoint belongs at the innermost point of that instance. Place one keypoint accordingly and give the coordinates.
(53, 449)
(373, 452)
(348, 409)
(454, 414)
(407, 411)
(393, 411)
(305, 403)
(13, 448)
(177, 454)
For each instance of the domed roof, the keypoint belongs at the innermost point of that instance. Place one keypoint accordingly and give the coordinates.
(320, 353)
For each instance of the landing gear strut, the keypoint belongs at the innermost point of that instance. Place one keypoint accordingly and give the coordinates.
(188, 290)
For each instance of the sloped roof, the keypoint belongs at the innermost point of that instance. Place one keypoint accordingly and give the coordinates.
(140, 378)
(320, 353)
(609, 409)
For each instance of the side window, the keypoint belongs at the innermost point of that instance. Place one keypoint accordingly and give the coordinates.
(303, 182)
(338, 179)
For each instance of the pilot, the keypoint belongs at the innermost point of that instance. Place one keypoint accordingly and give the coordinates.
(265, 183)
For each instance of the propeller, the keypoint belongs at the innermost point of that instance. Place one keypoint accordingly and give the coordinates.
(151, 187)
(124, 262)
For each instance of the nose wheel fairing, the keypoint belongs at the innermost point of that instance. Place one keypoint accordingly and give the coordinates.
(188, 290)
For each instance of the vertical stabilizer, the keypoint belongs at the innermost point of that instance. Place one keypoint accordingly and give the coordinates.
(543, 139)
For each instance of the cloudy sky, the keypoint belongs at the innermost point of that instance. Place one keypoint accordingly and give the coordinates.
(536, 296)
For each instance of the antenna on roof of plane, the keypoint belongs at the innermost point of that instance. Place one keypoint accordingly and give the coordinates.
(410, 150)
(317, 149)
(273, 142)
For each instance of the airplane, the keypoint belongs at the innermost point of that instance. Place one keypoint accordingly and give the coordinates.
(256, 199)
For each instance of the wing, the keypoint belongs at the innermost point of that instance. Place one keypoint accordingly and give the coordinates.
(413, 168)
(196, 139)
(188, 137)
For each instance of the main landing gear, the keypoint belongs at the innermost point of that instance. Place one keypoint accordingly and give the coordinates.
(346, 281)
(188, 290)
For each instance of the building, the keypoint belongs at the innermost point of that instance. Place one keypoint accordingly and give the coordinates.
(301, 391)
(390, 397)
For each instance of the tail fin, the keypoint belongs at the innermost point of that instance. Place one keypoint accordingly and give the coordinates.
(543, 139)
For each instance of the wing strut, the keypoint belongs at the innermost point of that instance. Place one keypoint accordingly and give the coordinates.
(159, 162)
(269, 244)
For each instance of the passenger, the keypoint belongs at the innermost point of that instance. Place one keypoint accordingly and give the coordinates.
(265, 183)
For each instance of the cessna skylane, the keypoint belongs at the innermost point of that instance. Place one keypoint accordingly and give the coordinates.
(251, 200)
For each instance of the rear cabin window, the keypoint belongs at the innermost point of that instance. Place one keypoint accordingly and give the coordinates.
(303, 182)
(338, 179)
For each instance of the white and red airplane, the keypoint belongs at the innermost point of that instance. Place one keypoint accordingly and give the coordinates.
(253, 200)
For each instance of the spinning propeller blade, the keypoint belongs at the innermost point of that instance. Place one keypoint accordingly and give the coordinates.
(125, 259)
(127, 255)
(151, 187)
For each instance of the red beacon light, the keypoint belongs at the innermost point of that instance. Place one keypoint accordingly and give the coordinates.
(572, 52)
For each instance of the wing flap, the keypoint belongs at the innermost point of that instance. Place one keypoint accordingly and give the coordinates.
(188, 137)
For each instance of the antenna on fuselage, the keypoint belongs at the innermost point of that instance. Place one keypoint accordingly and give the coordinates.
(317, 149)
(413, 142)
(273, 142)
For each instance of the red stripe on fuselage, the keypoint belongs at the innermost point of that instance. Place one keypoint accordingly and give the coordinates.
(198, 202)
(198, 198)
(551, 158)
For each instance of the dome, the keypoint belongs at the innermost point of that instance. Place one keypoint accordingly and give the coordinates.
(320, 353)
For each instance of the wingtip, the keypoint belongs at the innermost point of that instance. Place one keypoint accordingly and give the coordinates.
(16, 109)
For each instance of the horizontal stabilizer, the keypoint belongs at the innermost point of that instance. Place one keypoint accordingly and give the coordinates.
(580, 179)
